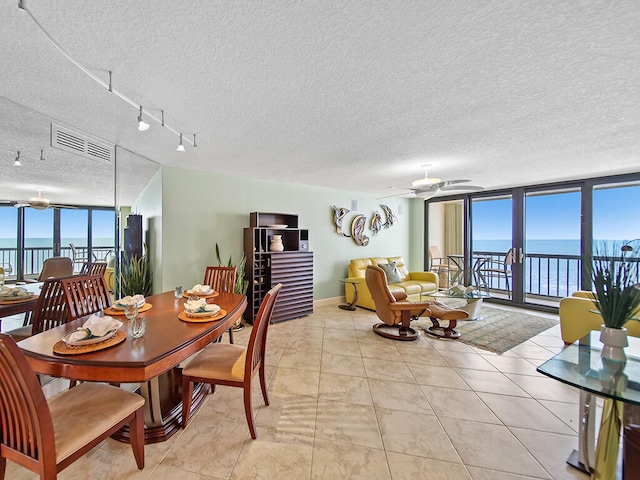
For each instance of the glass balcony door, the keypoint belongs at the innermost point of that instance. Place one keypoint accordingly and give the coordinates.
(552, 262)
(492, 238)
(38, 241)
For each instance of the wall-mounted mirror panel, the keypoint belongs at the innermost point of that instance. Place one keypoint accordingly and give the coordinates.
(64, 197)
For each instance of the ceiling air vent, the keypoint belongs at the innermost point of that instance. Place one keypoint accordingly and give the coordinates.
(74, 142)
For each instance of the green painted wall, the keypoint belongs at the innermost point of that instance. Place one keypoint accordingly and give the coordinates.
(199, 209)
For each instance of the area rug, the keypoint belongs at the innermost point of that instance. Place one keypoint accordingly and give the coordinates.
(497, 330)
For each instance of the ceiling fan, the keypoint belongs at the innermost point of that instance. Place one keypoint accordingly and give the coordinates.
(38, 203)
(429, 187)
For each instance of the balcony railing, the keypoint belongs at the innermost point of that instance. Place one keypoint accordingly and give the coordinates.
(34, 258)
(546, 275)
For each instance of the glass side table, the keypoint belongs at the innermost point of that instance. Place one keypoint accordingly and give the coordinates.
(580, 365)
(352, 305)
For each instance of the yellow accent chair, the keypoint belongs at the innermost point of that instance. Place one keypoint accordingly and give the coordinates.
(413, 284)
(578, 317)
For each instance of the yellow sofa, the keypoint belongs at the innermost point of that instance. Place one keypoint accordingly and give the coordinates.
(413, 283)
(577, 318)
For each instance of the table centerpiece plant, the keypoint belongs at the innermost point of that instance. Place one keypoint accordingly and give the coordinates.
(616, 297)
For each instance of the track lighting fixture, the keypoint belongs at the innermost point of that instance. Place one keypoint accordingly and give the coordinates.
(180, 146)
(17, 162)
(142, 125)
(194, 141)
(42, 155)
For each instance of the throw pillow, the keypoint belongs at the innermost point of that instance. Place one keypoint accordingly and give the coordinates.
(393, 276)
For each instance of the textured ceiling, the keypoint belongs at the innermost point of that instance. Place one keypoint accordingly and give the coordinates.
(352, 95)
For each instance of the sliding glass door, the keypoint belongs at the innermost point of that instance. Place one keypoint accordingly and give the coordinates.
(552, 262)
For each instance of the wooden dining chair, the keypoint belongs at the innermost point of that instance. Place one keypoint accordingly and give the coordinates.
(50, 310)
(93, 268)
(47, 436)
(232, 365)
(85, 294)
(221, 279)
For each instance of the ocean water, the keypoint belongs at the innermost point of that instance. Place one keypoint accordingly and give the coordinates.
(43, 242)
(557, 247)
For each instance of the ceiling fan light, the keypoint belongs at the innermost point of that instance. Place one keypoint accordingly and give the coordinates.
(426, 181)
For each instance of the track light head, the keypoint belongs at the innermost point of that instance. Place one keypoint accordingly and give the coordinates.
(17, 162)
(142, 125)
(180, 146)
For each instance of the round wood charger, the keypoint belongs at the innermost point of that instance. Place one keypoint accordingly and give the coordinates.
(63, 349)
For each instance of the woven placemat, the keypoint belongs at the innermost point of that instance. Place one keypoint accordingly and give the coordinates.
(210, 295)
(118, 311)
(62, 348)
(9, 301)
(185, 318)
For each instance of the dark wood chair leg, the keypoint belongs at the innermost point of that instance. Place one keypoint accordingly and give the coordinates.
(136, 435)
(263, 385)
(231, 335)
(247, 410)
(187, 393)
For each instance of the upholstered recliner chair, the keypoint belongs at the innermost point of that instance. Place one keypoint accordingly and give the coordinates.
(397, 313)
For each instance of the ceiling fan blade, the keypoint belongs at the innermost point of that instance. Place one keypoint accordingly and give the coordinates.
(62, 206)
(468, 188)
(395, 195)
(454, 182)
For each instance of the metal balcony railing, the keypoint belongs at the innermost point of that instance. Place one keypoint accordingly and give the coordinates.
(34, 258)
(546, 275)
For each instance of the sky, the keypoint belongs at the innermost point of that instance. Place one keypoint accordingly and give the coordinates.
(616, 216)
(73, 223)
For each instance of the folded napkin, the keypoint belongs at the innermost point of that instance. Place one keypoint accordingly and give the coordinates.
(201, 289)
(95, 326)
(201, 306)
(137, 299)
(8, 292)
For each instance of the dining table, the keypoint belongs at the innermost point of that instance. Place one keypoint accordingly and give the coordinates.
(8, 308)
(152, 361)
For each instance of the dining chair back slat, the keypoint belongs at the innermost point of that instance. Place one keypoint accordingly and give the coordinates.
(221, 279)
(51, 309)
(94, 268)
(85, 294)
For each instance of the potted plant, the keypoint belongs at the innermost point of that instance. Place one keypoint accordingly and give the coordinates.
(616, 297)
(135, 276)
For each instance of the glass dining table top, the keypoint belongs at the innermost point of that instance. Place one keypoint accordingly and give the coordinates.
(580, 365)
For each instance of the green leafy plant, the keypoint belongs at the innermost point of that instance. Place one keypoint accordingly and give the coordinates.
(617, 296)
(135, 276)
(241, 284)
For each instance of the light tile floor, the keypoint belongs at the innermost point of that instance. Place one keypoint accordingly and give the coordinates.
(348, 404)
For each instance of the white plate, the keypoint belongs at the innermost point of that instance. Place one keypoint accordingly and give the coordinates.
(209, 292)
(90, 340)
(201, 314)
(277, 225)
(117, 306)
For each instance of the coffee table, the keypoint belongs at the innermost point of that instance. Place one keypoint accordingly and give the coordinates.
(473, 299)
